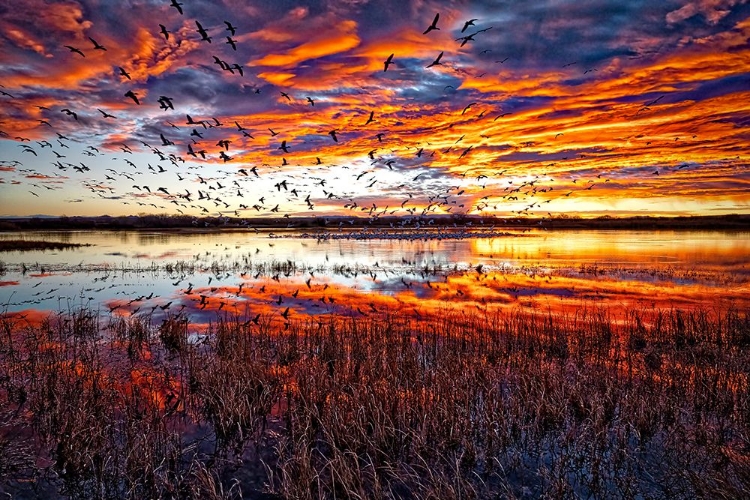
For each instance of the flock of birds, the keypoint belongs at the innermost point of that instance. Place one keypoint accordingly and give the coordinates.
(281, 288)
(184, 150)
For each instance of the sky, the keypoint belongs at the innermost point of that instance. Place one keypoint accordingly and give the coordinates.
(374, 107)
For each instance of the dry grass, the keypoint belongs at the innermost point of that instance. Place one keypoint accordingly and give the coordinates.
(649, 404)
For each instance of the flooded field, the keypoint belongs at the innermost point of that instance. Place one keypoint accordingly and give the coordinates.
(131, 273)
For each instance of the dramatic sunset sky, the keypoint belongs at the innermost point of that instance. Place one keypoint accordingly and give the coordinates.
(586, 107)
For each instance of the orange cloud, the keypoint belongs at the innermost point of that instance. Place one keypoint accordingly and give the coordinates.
(25, 41)
(344, 39)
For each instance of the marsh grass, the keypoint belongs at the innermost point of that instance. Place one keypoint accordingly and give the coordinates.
(650, 404)
(32, 245)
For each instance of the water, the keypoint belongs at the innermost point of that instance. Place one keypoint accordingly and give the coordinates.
(287, 275)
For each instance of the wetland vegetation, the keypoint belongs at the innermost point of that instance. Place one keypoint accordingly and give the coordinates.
(30, 245)
(598, 403)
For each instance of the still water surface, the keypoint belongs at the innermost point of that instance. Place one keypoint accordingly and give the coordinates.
(200, 274)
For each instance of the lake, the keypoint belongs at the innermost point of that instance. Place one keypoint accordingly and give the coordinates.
(287, 274)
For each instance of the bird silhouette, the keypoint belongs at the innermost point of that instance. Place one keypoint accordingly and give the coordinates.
(470, 38)
(468, 23)
(164, 31)
(433, 26)
(230, 28)
(77, 51)
(202, 32)
(387, 63)
(176, 5)
(467, 107)
(70, 113)
(97, 45)
(165, 102)
(436, 62)
(133, 96)
(332, 133)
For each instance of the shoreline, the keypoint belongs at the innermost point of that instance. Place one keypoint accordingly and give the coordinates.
(212, 224)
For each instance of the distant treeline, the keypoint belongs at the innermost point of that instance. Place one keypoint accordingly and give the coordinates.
(733, 221)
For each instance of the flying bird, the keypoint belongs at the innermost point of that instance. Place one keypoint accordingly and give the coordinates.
(470, 38)
(222, 64)
(106, 115)
(165, 102)
(332, 133)
(230, 28)
(387, 63)
(283, 146)
(124, 73)
(371, 119)
(97, 45)
(77, 51)
(133, 96)
(69, 113)
(202, 32)
(232, 42)
(164, 31)
(176, 5)
(433, 26)
(436, 62)
(467, 107)
(468, 23)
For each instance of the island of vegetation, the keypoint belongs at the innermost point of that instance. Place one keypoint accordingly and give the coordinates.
(29, 245)
(185, 222)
